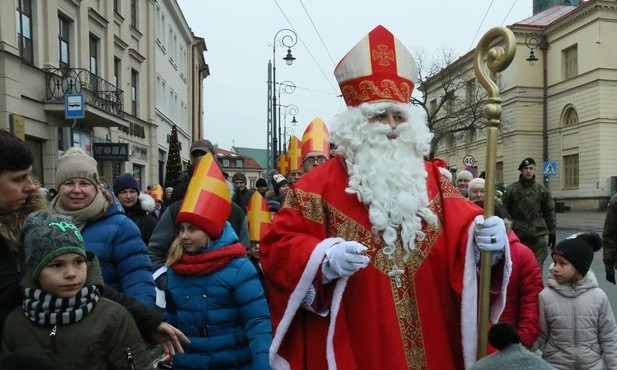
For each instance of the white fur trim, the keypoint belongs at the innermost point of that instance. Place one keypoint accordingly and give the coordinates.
(297, 297)
(146, 202)
(469, 304)
(446, 173)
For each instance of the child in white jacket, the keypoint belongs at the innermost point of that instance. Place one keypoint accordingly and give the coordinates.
(578, 329)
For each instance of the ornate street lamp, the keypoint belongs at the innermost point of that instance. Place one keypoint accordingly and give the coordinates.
(292, 110)
(288, 38)
(536, 41)
(288, 87)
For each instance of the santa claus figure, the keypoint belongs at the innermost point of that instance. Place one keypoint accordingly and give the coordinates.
(371, 263)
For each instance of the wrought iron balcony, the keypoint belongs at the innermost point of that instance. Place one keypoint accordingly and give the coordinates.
(97, 92)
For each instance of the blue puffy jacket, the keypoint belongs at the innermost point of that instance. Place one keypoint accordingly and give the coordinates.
(123, 256)
(225, 315)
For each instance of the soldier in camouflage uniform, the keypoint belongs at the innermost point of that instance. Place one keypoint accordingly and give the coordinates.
(609, 240)
(532, 210)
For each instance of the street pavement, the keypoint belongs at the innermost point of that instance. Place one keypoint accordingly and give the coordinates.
(581, 221)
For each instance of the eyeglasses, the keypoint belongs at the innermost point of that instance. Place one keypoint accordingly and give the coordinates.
(320, 159)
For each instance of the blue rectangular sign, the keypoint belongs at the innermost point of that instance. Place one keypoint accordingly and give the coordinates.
(549, 168)
(74, 106)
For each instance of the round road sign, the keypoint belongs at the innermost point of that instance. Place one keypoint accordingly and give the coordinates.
(469, 160)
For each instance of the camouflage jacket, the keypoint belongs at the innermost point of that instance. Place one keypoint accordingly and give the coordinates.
(609, 234)
(532, 209)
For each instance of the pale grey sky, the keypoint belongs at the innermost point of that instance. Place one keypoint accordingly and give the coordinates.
(239, 35)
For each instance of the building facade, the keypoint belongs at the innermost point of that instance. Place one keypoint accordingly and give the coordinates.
(82, 73)
(560, 110)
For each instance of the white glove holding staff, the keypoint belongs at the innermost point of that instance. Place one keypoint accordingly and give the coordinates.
(343, 259)
(490, 234)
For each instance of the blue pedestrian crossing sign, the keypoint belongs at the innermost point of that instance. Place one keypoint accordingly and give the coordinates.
(549, 168)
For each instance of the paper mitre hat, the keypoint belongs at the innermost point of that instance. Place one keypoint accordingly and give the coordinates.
(316, 138)
(294, 154)
(207, 203)
(157, 192)
(258, 217)
(378, 68)
(282, 164)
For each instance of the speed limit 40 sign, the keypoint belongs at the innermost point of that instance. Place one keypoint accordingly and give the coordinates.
(469, 160)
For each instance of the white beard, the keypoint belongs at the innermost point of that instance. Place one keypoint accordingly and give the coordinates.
(387, 174)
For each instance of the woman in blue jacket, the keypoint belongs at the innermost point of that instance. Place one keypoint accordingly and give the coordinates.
(107, 231)
(213, 293)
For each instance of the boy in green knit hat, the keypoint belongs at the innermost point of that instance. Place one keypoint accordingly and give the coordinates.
(63, 316)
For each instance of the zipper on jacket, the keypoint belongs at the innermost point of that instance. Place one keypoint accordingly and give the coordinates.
(52, 335)
(129, 357)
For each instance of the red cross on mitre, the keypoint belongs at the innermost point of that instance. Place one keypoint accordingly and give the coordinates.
(383, 56)
(282, 164)
(258, 217)
(294, 155)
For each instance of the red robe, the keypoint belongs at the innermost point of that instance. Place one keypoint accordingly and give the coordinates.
(378, 325)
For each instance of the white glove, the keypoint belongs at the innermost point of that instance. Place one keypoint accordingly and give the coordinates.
(490, 234)
(343, 259)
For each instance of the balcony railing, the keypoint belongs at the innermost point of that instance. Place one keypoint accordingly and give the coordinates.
(97, 91)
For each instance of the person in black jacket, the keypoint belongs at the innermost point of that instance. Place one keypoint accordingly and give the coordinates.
(19, 196)
(137, 206)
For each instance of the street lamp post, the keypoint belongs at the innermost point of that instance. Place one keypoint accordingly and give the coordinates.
(287, 39)
(538, 41)
(288, 88)
(292, 110)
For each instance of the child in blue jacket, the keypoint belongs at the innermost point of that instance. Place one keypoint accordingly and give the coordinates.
(213, 292)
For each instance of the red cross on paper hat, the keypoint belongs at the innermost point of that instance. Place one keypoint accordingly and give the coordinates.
(378, 68)
(316, 138)
(294, 154)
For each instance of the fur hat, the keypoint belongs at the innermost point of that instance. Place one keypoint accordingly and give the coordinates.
(279, 180)
(75, 163)
(261, 183)
(578, 249)
(238, 176)
(11, 147)
(125, 181)
(47, 235)
(526, 162)
(464, 174)
(476, 181)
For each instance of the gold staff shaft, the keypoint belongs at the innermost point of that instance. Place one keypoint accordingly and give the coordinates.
(497, 59)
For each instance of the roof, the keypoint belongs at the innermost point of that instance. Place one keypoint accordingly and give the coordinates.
(259, 155)
(546, 17)
(249, 162)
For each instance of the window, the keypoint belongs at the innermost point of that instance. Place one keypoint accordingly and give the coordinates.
(570, 61)
(225, 162)
(94, 62)
(134, 91)
(499, 172)
(570, 117)
(117, 71)
(470, 91)
(570, 171)
(117, 6)
(134, 14)
(64, 43)
(23, 15)
(239, 163)
(432, 105)
(94, 54)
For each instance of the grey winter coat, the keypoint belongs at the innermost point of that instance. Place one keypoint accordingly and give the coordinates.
(577, 326)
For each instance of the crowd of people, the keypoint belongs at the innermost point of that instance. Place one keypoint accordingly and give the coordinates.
(359, 254)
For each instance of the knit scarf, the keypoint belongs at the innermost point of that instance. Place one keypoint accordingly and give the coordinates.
(47, 309)
(208, 262)
(90, 213)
